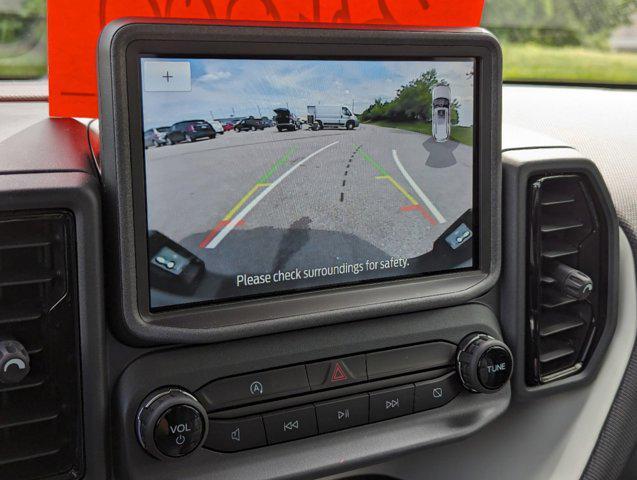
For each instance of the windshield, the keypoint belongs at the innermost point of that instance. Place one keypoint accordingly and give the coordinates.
(572, 41)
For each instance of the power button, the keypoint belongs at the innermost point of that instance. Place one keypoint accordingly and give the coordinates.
(171, 423)
(179, 431)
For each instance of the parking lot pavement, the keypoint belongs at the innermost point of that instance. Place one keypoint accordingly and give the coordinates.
(263, 201)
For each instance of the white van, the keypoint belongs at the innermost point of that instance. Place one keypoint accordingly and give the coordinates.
(217, 126)
(321, 116)
(441, 113)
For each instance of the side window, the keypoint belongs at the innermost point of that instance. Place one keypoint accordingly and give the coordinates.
(345, 112)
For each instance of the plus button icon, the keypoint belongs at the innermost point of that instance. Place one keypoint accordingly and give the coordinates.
(168, 76)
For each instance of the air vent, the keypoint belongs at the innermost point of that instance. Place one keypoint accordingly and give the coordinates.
(568, 277)
(40, 417)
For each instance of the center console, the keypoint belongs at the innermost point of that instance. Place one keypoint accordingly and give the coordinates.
(321, 208)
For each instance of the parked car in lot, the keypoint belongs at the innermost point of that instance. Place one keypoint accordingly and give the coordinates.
(217, 126)
(286, 120)
(321, 116)
(441, 113)
(189, 131)
(228, 126)
(155, 137)
(267, 122)
(249, 124)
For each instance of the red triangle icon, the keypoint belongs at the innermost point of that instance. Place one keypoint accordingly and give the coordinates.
(338, 374)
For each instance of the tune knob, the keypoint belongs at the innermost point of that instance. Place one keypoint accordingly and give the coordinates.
(484, 363)
(14, 361)
(171, 423)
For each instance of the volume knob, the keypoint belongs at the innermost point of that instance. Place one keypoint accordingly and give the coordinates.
(171, 423)
(484, 363)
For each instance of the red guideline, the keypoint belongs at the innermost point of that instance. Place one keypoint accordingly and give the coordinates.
(74, 27)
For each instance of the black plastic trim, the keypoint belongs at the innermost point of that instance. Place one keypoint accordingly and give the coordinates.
(194, 366)
(518, 167)
(60, 146)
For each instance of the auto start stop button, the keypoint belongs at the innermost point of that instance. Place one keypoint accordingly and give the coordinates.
(179, 431)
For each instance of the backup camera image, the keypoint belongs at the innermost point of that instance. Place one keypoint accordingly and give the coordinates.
(268, 176)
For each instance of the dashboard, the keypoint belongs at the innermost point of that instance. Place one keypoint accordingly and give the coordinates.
(213, 328)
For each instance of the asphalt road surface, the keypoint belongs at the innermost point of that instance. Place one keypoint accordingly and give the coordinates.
(257, 203)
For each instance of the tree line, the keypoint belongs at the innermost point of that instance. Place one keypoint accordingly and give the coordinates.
(557, 22)
(15, 25)
(412, 102)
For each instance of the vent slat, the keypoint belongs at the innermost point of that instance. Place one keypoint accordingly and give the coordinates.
(559, 251)
(33, 380)
(25, 278)
(560, 226)
(32, 244)
(35, 350)
(17, 234)
(20, 315)
(553, 300)
(550, 199)
(556, 324)
(556, 354)
(19, 454)
(21, 416)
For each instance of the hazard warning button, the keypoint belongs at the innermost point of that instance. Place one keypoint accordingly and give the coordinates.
(338, 372)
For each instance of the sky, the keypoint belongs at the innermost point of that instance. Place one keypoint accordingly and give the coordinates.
(222, 88)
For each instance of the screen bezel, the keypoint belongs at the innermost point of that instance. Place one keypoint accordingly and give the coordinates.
(142, 175)
(124, 43)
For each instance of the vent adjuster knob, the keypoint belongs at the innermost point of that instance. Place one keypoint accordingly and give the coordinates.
(15, 364)
(571, 281)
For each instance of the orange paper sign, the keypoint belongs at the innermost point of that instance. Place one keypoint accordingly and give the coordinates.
(74, 28)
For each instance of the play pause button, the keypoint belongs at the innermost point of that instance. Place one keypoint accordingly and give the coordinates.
(342, 413)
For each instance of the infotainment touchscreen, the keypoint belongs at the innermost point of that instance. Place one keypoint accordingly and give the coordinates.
(270, 176)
